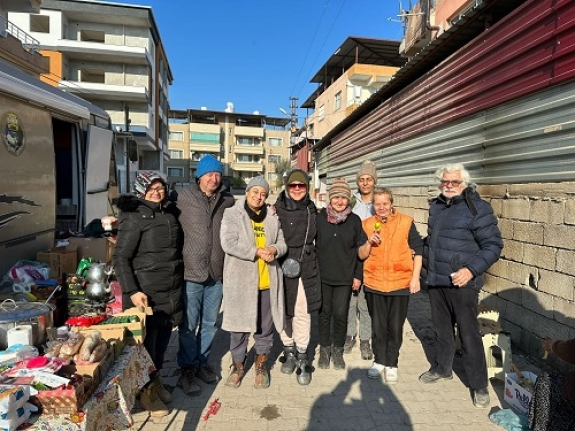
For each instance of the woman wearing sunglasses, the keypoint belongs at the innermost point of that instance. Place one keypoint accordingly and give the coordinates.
(297, 214)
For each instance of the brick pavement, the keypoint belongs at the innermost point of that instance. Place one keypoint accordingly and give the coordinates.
(335, 400)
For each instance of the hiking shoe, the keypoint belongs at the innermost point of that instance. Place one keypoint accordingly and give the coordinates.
(324, 357)
(236, 375)
(164, 395)
(187, 382)
(150, 401)
(481, 398)
(391, 376)
(365, 349)
(432, 377)
(207, 374)
(262, 380)
(375, 371)
(348, 345)
(337, 358)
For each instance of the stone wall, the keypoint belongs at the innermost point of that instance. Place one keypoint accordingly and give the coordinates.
(532, 286)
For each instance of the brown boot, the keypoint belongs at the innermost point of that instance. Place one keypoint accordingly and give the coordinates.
(162, 392)
(150, 401)
(236, 375)
(262, 376)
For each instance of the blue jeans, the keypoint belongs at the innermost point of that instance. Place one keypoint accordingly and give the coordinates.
(202, 303)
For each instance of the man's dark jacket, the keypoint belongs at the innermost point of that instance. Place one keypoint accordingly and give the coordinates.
(201, 219)
(147, 256)
(462, 232)
(294, 221)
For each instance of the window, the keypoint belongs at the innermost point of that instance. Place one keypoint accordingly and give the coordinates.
(40, 23)
(92, 75)
(275, 142)
(176, 172)
(272, 177)
(337, 101)
(176, 136)
(357, 93)
(274, 158)
(197, 156)
(176, 154)
(249, 141)
(208, 138)
(247, 158)
(92, 36)
(321, 112)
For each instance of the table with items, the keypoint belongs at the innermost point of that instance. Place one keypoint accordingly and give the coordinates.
(111, 403)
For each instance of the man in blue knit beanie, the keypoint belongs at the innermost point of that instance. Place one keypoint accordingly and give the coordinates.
(202, 205)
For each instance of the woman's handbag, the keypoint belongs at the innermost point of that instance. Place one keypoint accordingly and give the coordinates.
(292, 267)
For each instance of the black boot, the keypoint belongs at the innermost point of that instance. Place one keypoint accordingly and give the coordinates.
(289, 364)
(303, 369)
(365, 349)
(337, 358)
(324, 356)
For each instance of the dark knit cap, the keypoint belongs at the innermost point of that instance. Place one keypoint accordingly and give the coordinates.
(297, 175)
(339, 187)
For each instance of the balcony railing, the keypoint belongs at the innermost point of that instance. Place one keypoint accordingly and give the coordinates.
(28, 42)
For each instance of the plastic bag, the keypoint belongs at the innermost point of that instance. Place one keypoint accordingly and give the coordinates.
(27, 272)
(509, 420)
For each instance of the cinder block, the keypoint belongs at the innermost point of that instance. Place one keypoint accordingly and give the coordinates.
(512, 250)
(519, 273)
(557, 284)
(506, 228)
(517, 209)
(565, 259)
(563, 311)
(570, 212)
(528, 232)
(538, 302)
(547, 211)
(561, 236)
(536, 255)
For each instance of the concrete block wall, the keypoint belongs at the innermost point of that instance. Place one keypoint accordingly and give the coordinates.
(532, 286)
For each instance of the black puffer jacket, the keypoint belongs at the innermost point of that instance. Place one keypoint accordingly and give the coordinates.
(148, 255)
(461, 233)
(293, 218)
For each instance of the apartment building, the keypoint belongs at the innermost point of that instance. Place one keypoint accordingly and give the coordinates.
(247, 144)
(111, 55)
(358, 68)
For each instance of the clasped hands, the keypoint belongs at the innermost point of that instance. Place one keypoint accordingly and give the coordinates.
(267, 254)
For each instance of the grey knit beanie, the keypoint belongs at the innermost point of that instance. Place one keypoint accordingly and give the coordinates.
(259, 181)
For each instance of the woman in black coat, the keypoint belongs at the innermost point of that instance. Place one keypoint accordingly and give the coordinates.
(148, 264)
(297, 214)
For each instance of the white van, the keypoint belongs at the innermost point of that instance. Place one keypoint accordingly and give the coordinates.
(56, 164)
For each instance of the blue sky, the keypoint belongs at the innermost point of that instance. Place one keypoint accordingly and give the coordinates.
(259, 53)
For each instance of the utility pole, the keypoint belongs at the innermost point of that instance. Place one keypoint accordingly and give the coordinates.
(293, 113)
(127, 122)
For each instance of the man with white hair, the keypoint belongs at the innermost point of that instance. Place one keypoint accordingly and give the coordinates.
(463, 242)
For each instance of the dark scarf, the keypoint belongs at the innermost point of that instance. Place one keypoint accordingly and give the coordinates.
(335, 217)
(257, 218)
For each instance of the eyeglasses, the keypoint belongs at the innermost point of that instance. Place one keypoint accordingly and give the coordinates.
(156, 190)
(297, 186)
(454, 183)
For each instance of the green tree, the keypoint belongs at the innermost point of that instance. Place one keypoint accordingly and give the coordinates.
(283, 166)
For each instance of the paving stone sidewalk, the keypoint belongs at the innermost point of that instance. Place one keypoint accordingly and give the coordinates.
(335, 400)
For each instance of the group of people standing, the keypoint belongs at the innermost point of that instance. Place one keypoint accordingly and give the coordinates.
(275, 265)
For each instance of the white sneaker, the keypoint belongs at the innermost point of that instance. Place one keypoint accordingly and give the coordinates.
(375, 371)
(391, 375)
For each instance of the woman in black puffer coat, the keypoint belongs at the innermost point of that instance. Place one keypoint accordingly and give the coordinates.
(148, 264)
(297, 214)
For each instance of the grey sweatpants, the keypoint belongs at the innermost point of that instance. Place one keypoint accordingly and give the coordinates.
(358, 309)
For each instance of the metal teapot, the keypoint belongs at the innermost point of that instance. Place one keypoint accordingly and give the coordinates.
(98, 273)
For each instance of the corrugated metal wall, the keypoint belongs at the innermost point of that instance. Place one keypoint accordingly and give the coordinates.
(531, 139)
(530, 50)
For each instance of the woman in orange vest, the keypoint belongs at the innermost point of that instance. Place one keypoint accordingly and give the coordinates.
(391, 270)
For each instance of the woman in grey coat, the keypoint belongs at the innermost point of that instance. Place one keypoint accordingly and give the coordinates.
(253, 295)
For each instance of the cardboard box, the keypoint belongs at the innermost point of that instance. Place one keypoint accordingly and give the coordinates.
(100, 249)
(61, 260)
(135, 330)
(517, 396)
(67, 400)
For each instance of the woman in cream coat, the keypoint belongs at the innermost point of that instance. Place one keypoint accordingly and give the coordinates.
(253, 295)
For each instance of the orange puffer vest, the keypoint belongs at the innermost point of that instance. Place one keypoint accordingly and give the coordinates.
(389, 266)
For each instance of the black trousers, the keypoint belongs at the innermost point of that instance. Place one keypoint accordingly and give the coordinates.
(388, 314)
(334, 306)
(158, 332)
(450, 305)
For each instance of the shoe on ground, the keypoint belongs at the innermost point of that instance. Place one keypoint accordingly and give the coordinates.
(236, 376)
(207, 374)
(365, 349)
(289, 360)
(161, 391)
(303, 369)
(150, 402)
(324, 357)
(187, 381)
(348, 345)
(432, 377)
(375, 371)
(391, 375)
(262, 380)
(337, 358)
(481, 398)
